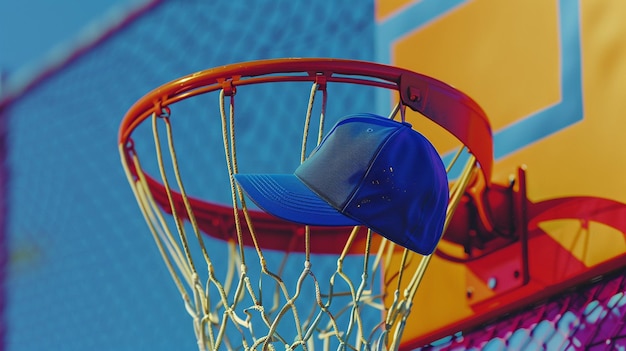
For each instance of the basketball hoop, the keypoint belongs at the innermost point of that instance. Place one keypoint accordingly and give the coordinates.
(365, 309)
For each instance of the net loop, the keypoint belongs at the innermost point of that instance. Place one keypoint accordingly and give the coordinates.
(320, 80)
(163, 111)
(227, 85)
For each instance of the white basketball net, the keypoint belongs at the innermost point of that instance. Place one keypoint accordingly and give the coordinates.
(247, 301)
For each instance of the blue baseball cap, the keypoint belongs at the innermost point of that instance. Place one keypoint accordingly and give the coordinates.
(369, 170)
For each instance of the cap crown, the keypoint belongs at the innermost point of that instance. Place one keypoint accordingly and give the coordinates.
(384, 174)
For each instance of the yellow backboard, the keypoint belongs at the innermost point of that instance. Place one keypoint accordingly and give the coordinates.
(549, 76)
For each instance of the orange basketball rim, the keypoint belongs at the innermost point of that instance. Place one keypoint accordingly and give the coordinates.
(227, 309)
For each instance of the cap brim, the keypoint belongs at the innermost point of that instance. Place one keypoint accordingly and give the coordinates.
(286, 197)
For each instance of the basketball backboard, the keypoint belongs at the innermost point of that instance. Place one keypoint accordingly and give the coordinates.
(542, 89)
